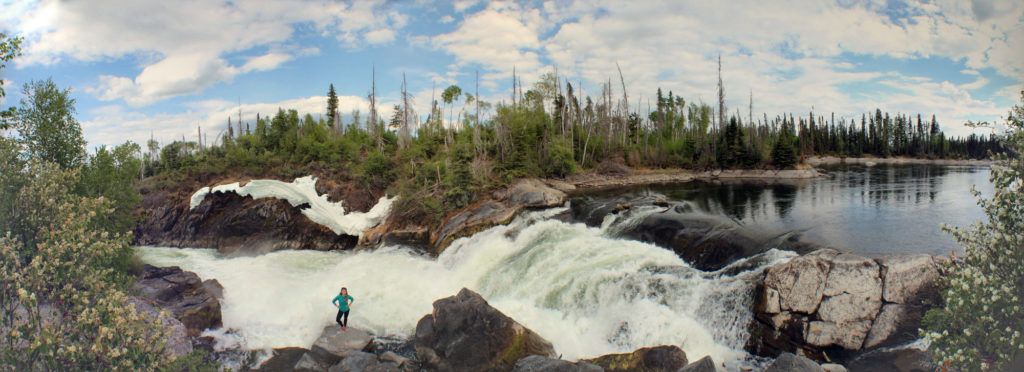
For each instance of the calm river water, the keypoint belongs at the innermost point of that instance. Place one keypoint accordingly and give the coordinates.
(871, 211)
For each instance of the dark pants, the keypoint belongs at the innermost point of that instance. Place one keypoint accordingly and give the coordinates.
(342, 315)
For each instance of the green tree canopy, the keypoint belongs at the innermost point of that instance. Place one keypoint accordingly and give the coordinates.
(46, 122)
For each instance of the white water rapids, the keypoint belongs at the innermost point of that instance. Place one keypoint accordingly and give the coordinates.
(578, 287)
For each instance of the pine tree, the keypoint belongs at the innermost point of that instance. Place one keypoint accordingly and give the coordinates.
(332, 106)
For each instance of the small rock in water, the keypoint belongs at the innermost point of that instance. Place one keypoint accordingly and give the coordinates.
(622, 207)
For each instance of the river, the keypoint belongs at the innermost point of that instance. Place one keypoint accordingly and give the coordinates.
(575, 276)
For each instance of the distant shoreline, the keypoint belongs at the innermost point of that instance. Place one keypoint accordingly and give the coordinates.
(589, 181)
(831, 160)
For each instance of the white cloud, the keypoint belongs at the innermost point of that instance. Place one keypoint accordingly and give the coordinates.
(182, 45)
(114, 124)
(447, 19)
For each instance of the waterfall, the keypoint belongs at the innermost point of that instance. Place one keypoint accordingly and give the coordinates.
(302, 191)
(581, 288)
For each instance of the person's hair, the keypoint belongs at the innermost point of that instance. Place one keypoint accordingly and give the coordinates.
(344, 289)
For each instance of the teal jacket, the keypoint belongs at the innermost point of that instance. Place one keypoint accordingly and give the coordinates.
(342, 301)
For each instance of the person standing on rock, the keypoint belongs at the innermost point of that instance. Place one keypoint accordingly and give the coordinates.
(341, 301)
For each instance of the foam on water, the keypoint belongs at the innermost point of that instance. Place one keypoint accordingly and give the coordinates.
(587, 293)
(303, 191)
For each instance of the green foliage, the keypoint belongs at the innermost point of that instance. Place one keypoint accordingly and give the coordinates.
(112, 175)
(45, 120)
(558, 158)
(784, 152)
(10, 48)
(332, 107)
(377, 170)
(980, 326)
(61, 299)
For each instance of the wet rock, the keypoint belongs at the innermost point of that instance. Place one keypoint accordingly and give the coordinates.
(469, 221)
(282, 360)
(334, 344)
(703, 243)
(622, 207)
(532, 193)
(658, 358)
(537, 363)
(400, 362)
(789, 362)
(705, 364)
(214, 288)
(465, 333)
(180, 293)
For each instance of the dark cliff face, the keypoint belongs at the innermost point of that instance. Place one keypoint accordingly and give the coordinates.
(232, 224)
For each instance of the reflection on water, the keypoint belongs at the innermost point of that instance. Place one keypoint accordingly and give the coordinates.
(866, 210)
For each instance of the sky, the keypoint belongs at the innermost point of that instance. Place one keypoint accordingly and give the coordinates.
(140, 69)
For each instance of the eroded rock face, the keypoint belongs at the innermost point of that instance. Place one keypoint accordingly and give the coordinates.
(333, 345)
(233, 224)
(465, 333)
(827, 299)
(658, 358)
(474, 219)
(705, 364)
(180, 293)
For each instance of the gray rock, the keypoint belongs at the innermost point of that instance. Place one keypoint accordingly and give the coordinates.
(895, 324)
(705, 364)
(358, 362)
(307, 363)
(532, 193)
(213, 287)
(180, 293)
(538, 363)
(471, 220)
(854, 275)
(847, 307)
(833, 367)
(391, 357)
(334, 344)
(789, 362)
(464, 332)
(909, 278)
(800, 283)
(847, 335)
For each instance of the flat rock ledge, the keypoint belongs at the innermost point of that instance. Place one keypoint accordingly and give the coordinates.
(839, 302)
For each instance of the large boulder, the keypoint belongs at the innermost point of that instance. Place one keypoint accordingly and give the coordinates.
(648, 359)
(182, 294)
(532, 193)
(333, 345)
(469, 221)
(827, 299)
(465, 333)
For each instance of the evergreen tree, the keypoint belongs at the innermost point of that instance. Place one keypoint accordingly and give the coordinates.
(332, 107)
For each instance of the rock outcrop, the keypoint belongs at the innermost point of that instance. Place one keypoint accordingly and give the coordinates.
(667, 358)
(829, 300)
(465, 333)
(236, 225)
(704, 243)
(705, 364)
(524, 194)
(182, 294)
